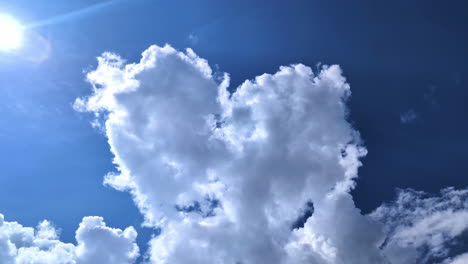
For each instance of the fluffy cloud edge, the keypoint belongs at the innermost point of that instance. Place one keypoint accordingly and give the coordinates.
(423, 227)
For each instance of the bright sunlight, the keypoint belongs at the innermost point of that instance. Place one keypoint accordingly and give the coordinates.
(11, 34)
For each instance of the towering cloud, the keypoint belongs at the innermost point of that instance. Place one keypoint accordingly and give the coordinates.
(227, 176)
(260, 175)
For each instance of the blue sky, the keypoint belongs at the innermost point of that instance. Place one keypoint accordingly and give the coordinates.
(405, 63)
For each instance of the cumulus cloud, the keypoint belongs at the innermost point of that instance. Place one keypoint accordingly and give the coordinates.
(227, 175)
(259, 175)
(96, 243)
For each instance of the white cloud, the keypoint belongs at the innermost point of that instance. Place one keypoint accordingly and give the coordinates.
(97, 243)
(227, 176)
(423, 225)
(243, 166)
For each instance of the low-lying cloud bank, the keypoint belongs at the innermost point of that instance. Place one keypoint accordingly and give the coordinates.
(97, 243)
(261, 175)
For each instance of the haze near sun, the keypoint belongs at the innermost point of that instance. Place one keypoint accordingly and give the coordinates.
(11, 33)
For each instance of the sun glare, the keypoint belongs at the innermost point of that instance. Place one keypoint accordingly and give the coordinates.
(10, 33)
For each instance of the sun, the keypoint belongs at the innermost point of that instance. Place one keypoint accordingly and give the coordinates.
(11, 33)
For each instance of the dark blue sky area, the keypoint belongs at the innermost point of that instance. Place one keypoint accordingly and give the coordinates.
(398, 56)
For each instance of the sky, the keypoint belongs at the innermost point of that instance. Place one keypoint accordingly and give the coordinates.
(302, 131)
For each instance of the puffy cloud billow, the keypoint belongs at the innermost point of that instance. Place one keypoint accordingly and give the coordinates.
(259, 175)
(96, 243)
(225, 176)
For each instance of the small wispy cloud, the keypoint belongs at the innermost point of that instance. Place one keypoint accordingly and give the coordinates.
(408, 117)
(194, 39)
